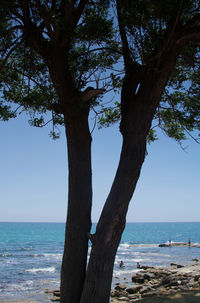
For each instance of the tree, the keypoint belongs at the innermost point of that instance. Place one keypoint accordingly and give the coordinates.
(63, 43)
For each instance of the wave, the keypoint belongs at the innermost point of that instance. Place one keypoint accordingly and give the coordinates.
(156, 255)
(124, 245)
(25, 248)
(46, 255)
(13, 287)
(125, 272)
(5, 255)
(129, 245)
(46, 269)
(56, 256)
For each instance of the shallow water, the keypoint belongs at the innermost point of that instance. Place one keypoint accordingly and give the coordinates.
(31, 254)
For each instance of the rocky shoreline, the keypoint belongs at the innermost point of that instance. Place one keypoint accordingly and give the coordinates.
(158, 282)
(154, 282)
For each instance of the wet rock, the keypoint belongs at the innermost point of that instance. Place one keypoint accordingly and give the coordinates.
(138, 279)
(133, 297)
(197, 278)
(112, 293)
(145, 289)
(150, 294)
(119, 293)
(176, 265)
(169, 281)
(133, 290)
(123, 299)
(146, 267)
(147, 277)
(120, 287)
(55, 299)
(56, 293)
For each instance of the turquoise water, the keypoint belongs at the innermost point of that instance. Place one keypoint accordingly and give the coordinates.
(31, 254)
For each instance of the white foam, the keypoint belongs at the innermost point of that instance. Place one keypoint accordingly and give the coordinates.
(28, 285)
(119, 273)
(124, 246)
(157, 254)
(55, 256)
(46, 269)
(5, 255)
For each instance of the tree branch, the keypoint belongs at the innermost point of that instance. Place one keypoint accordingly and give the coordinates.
(126, 51)
(188, 35)
(102, 48)
(78, 11)
(32, 33)
(45, 16)
(8, 55)
(14, 42)
(90, 93)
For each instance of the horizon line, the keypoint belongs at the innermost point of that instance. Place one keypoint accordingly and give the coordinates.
(56, 222)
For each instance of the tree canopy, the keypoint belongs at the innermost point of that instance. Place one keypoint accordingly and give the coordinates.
(61, 57)
(95, 49)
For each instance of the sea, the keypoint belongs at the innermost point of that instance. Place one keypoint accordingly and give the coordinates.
(31, 254)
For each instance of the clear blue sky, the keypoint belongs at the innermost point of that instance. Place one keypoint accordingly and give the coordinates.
(33, 176)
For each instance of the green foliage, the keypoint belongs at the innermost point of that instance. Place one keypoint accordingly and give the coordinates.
(179, 112)
(152, 136)
(25, 82)
(109, 116)
(94, 49)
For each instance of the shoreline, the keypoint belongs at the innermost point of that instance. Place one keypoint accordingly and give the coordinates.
(156, 283)
(150, 283)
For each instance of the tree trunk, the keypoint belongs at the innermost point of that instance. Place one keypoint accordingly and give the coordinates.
(78, 223)
(112, 221)
(137, 111)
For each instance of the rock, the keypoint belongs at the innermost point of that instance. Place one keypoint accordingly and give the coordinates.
(47, 291)
(150, 294)
(147, 277)
(138, 279)
(120, 287)
(179, 266)
(195, 260)
(146, 267)
(55, 299)
(56, 293)
(169, 281)
(123, 299)
(112, 293)
(162, 292)
(176, 265)
(133, 297)
(119, 293)
(133, 290)
(145, 290)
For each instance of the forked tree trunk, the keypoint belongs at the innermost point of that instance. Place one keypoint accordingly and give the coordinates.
(137, 114)
(78, 223)
(113, 218)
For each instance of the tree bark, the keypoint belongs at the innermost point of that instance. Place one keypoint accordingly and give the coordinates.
(137, 111)
(78, 223)
(113, 219)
